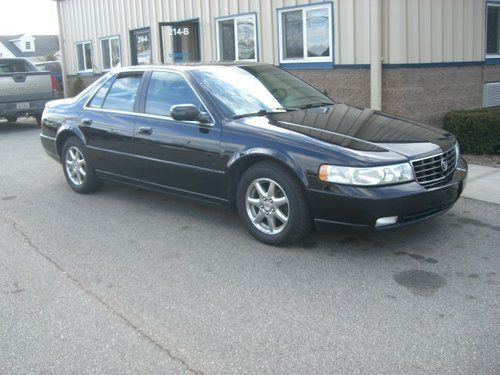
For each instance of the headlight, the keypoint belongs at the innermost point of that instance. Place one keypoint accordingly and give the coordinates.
(384, 175)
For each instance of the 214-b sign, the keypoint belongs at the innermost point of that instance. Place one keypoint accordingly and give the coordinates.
(179, 31)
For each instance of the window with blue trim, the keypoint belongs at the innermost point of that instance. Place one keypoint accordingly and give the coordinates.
(306, 34)
(236, 38)
(493, 31)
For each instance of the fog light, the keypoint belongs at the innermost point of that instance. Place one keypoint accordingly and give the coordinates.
(383, 221)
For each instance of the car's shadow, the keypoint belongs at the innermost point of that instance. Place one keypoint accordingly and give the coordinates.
(336, 241)
(21, 125)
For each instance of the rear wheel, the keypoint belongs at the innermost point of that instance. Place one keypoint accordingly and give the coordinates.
(11, 119)
(38, 121)
(79, 173)
(272, 204)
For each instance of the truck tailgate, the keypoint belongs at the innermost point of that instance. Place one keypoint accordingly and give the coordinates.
(25, 87)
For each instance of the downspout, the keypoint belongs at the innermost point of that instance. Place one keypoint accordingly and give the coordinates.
(376, 54)
(61, 48)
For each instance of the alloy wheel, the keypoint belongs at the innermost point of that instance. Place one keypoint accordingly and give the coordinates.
(75, 166)
(267, 206)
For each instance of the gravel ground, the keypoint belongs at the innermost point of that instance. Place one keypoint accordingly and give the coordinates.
(129, 281)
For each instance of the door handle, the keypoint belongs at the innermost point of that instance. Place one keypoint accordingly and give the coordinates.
(86, 122)
(145, 130)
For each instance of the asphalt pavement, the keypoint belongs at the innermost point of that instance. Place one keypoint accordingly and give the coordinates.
(130, 281)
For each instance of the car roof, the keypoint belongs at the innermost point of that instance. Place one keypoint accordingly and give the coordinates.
(187, 66)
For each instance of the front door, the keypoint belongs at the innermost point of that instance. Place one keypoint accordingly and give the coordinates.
(107, 123)
(180, 41)
(182, 156)
(140, 47)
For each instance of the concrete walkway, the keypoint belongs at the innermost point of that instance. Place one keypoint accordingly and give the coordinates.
(483, 183)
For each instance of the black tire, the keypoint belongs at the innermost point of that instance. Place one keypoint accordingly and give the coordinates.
(299, 221)
(11, 119)
(38, 121)
(91, 182)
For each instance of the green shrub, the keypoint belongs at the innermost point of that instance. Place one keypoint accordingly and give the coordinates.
(477, 130)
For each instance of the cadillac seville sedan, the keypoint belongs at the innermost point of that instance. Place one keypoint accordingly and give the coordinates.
(258, 139)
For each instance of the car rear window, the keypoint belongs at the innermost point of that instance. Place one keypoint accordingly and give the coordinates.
(15, 66)
(121, 96)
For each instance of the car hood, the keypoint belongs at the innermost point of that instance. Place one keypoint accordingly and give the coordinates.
(364, 130)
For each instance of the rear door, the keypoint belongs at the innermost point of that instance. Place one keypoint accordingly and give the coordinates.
(182, 155)
(107, 122)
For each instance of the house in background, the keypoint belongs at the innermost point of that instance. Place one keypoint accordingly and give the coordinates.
(414, 58)
(32, 47)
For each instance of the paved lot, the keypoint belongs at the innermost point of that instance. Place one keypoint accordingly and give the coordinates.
(128, 281)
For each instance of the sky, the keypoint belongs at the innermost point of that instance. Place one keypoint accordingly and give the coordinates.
(28, 17)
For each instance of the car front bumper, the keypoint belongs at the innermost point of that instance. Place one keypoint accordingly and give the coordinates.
(363, 206)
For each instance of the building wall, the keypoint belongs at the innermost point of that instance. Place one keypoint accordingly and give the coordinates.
(439, 33)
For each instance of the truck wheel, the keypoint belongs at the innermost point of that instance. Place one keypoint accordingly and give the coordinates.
(79, 173)
(272, 204)
(11, 119)
(38, 121)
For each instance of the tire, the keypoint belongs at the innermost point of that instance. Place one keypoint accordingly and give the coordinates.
(11, 119)
(79, 173)
(38, 121)
(262, 212)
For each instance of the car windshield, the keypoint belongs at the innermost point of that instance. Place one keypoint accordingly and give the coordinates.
(257, 90)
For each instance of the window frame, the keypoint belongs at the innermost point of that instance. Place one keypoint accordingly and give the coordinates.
(140, 104)
(329, 6)
(86, 70)
(235, 18)
(27, 45)
(490, 56)
(109, 39)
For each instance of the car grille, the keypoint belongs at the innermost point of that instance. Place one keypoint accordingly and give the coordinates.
(430, 171)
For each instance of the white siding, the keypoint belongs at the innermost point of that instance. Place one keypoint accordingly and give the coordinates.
(433, 31)
(414, 31)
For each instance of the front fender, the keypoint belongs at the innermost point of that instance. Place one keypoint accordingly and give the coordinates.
(266, 153)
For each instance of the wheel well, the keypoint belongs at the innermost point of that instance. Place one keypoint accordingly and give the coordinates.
(241, 166)
(61, 139)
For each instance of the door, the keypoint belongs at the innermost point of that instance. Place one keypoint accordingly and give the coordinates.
(107, 123)
(180, 155)
(180, 41)
(140, 47)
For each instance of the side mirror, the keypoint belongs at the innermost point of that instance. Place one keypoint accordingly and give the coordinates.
(188, 112)
(323, 91)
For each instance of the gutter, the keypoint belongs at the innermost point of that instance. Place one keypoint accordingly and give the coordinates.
(376, 54)
(61, 48)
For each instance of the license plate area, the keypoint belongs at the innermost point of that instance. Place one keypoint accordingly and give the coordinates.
(22, 105)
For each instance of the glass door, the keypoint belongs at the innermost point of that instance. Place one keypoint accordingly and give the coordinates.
(180, 41)
(140, 41)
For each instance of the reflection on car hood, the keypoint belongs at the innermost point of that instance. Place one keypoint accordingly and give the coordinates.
(364, 130)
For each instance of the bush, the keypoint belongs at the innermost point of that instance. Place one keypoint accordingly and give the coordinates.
(78, 86)
(477, 130)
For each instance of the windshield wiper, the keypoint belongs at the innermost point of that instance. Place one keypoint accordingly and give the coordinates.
(262, 112)
(314, 105)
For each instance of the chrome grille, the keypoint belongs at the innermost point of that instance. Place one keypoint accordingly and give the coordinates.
(430, 171)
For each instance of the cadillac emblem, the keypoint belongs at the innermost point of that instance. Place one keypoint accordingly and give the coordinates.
(444, 165)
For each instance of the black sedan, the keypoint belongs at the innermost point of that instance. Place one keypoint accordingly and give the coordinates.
(256, 138)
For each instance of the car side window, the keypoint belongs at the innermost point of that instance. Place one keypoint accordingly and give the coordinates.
(121, 96)
(167, 89)
(100, 95)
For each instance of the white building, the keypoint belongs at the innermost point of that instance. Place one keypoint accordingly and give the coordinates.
(417, 58)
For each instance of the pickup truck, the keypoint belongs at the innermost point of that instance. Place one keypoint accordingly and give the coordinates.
(24, 90)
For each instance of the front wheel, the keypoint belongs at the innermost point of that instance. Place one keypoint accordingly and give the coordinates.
(78, 171)
(11, 119)
(272, 204)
